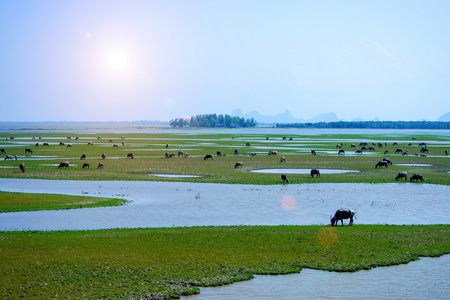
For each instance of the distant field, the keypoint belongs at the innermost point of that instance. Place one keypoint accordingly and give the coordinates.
(149, 151)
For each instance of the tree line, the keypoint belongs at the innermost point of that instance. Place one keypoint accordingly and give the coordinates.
(213, 120)
(371, 124)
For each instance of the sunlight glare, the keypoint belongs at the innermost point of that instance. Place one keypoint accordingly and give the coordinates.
(118, 60)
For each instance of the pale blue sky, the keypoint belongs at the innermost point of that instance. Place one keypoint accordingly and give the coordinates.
(385, 59)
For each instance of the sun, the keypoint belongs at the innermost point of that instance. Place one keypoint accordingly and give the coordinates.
(118, 60)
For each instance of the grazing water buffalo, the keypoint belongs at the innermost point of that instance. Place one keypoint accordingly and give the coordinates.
(381, 164)
(283, 159)
(115, 146)
(86, 165)
(83, 157)
(28, 150)
(45, 144)
(22, 167)
(90, 144)
(423, 150)
(208, 156)
(341, 152)
(402, 175)
(313, 152)
(315, 172)
(130, 155)
(69, 146)
(272, 153)
(169, 155)
(64, 164)
(61, 144)
(103, 156)
(358, 152)
(100, 166)
(111, 141)
(219, 153)
(284, 178)
(180, 153)
(247, 144)
(399, 150)
(341, 214)
(389, 162)
(416, 177)
(8, 157)
(236, 151)
(238, 165)
(2, 151)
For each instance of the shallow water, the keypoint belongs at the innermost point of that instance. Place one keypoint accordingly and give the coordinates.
(427, 278)
(302, 171)
(167, 204)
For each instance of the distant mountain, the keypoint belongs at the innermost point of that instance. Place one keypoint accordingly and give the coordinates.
(284, 117)
(444, 118)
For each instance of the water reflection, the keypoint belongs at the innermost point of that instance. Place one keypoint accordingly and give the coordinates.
(168, 204)
(427, 278)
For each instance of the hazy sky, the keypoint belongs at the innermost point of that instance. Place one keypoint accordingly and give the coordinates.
(160, 60)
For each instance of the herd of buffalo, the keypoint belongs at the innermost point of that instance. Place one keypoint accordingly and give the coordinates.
(340, 214)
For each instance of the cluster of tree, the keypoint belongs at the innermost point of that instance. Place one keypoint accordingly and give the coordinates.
(372, 124)
(213, 120)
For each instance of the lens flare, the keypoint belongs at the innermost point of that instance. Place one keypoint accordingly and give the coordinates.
(118, 60)
(288, 203)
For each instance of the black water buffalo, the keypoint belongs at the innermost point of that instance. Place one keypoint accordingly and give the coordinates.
(8, 157)
(401, 175)
(22, 167)
(381, 164)
(313, 152)
(315, 172)
(64, 164)
(358, 152)
(272, 153)
(28, 150)
(238, 165)
(341, 152)
(2, 151)
(130, 155)
(284, 178)
(236, 151)
(100, 166)
(208, 156)
(46, 144)
(341, 214)
(416, 177)
(83, 157)
(399, 150)
(389, 162)
(86, 165)
(423, 150)
(103, 156)
(219, 153)
(180, 153)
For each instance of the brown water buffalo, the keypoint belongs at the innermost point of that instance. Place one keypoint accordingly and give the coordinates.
(180, 153)
(381, 164)
(64, 164)
(315, 172)
(416, 177)
(130, 155)
(22, 167)
(115, 146)
(272, 153)
(284, 178)
(283, 159)
(100, 166)
(99, 138)
(208, 156)
(103, 156)
(8, 157)
(90, 144)
(28, 150)
(401, 175)
(61, 144)
(111, 141)
(69, 146)
(238, 165)
(86, 165)
(341, 214)
(83, 157)
(169, 155)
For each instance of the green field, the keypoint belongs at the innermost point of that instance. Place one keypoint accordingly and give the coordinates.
(149, 156)
(162, 263)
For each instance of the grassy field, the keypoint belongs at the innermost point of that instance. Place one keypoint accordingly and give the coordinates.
(10, 202)
(149, 156)
(163, 263)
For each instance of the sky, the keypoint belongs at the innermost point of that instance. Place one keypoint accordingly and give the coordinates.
(160, 60)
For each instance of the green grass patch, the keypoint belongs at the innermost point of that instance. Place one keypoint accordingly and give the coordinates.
(168, 262)
(13, 202)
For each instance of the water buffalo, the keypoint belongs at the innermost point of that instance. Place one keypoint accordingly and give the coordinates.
(130, 155)
(86, 165)
(272, 153)
(2, 151)
(219, 153)
(423, 150)
(28, 150)
(99, 138)
(46, 144)
(180, 153)
(247, 144)
(313, 152)
(208, 156)
(22, 167)
(115, 146)
(284, 178)
(236, 151)
(69, 146)
(90, 144)
(353, 146)
(61, 144)
(416, 177)
(371, 149)
(64, 164)
(315, 172)
(103, 156)
(8, 157)
(100, 166)
(238, 165)
(341, 214)
(358, 152)
(83, 157)
(283, 159)
(399, 150)
(341, 152)
(381, 164)
(389, 162)
(401, 175)
(169, 155)
(111, 141)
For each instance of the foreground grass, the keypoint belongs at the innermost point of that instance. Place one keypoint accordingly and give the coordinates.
(12, 202)
(167, 262)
